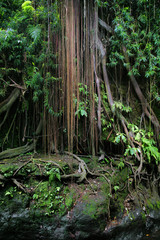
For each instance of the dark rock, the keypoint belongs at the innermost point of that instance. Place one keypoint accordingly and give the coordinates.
(24, 224)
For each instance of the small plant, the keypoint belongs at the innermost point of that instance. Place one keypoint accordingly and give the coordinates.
(150, 150)
(131, 151)
(119, 137)
(35, 196)
(116, 188)
(118, 105)
(109, 195)
(106, 160)
(54, 174)
(49, 198)
(148, 144)
(121, 165)
(83, 103)
(9, 193)
(81, 110)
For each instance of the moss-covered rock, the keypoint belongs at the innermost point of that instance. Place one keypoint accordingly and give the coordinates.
(42, 206)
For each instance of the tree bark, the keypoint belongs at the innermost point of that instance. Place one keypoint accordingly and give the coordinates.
(6, 104)
(145, 106)
(102, 50)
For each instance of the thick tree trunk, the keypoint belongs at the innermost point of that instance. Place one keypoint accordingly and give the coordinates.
(6, 104)
(10, 153)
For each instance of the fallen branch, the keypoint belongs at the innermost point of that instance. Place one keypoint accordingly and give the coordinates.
(10, 153)
(19, 185)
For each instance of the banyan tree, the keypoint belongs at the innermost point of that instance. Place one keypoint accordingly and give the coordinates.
(81, 76)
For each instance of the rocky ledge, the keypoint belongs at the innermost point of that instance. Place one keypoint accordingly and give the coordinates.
(36, 204)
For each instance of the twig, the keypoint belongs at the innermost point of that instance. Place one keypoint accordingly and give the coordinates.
(16, 85)
(54, 163)
(21, 167)
(37, 186)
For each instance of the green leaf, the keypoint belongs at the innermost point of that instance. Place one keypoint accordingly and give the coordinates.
(83, 112)
(35, 32)
(35, 196)
(58, 176)
(132, 151)
(138, 137)
(117, 139)
(116, 188)
(121, 165)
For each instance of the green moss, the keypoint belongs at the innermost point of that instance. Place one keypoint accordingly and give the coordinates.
(66, 190)
(152, 204)
(53, 198)
(117, 202)
(91, 209)
(105, 188)
(70, 199)
(143, 216)
(158, 204)
(95, 208)
(50, 196)
(8, 170)
(47, 198)
(13, 199)
(120, 177)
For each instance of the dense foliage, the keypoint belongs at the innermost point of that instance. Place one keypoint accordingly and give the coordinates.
(89, 85)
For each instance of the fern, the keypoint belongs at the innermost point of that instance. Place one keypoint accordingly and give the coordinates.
(35, 32)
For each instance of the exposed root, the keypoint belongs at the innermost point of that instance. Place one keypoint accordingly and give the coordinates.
(53, 163)
(19, 185)
(83, 175)
(21, 167)
(138, 171)
(82, 171)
